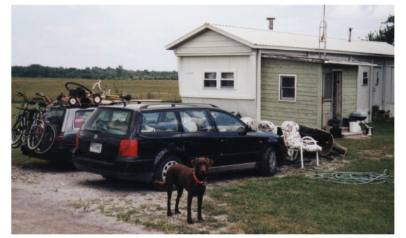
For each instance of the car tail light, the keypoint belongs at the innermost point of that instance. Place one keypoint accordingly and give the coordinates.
(128, 148)
(77, 140)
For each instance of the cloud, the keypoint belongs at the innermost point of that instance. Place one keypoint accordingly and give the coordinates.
(135, 36)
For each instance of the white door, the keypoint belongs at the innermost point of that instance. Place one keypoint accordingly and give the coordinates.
(377, 81)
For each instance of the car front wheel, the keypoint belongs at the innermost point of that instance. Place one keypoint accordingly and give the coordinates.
(267, 164)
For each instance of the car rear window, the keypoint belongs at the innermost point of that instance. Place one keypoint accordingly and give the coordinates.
(110, 120)
(153, 122)
(55, 115)
(80, 117)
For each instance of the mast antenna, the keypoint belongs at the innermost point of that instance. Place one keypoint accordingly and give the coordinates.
(323, 34)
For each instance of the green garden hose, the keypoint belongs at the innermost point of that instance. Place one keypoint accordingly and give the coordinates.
(355, 177)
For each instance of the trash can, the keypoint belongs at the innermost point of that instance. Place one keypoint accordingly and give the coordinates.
(357, 116)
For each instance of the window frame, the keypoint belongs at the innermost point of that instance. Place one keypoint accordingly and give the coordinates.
(95, 113)
(226, 79)
(367, 78)
(74, 117)
(215, 79)
(178, 123)
(207, 115)
(280, 84)
(213, 120)
(219, 79)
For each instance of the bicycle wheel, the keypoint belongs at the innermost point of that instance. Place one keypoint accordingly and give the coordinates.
(17, 132)
(35, 135)
(47, 140)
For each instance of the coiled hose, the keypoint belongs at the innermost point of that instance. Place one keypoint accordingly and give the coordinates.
(355, 177)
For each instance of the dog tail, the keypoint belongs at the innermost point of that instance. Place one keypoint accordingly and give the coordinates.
(159, 184)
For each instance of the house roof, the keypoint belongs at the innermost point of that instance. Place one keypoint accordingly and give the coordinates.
(266, 39)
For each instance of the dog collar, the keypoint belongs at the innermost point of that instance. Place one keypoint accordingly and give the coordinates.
(197, 181)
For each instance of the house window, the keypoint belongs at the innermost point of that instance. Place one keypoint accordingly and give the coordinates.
(287, 87)
(210, 80)
(364, 78)
(227, 80)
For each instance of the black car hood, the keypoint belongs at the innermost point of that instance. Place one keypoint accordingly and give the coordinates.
(270, 135)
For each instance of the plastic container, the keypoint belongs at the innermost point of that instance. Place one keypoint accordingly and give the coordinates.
(355, 127)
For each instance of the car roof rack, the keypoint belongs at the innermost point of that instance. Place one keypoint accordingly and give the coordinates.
(177, 104)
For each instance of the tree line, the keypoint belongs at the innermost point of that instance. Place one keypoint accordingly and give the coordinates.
(39, 71)
(385, 33)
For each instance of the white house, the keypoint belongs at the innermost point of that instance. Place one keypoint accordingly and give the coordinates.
(283, 76)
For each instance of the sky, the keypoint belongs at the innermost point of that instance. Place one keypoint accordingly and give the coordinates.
(135, 36)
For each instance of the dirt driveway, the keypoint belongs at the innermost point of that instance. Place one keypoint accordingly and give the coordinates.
(43, 198)
(56, 198)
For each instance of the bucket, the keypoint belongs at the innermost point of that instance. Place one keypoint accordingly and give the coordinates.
(355, 127)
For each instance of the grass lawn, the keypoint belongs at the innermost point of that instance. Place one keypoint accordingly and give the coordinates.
(301, 204)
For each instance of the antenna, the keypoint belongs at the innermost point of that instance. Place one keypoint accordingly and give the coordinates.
(323, 33)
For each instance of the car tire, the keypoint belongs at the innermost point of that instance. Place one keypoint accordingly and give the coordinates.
(72, 101)
(97, 99)
(267, 166)
(163, 166)
(110, 179)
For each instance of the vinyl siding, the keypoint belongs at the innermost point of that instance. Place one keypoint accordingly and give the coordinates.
(212, 43)
(306, 109)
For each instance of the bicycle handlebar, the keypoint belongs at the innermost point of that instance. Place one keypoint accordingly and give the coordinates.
(43, 96)
(21, 94)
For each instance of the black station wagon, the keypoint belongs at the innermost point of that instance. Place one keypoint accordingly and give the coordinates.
(141, 141)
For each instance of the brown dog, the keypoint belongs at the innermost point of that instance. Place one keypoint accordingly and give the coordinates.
(192, 179)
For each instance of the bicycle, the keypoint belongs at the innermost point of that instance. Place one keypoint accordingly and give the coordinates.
(42, 134)
(23, 121)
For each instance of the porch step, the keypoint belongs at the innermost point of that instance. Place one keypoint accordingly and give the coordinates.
(353, 135)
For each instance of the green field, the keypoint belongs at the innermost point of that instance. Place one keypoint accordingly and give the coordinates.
(146, 89)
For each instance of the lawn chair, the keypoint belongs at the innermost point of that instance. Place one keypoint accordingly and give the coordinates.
(294, 141)
(249, 122)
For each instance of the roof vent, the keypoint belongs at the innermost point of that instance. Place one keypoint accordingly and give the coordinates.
(270, 20)
(349, 34)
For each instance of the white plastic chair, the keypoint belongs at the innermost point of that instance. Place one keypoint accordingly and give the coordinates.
(249, 122)
(293, 140)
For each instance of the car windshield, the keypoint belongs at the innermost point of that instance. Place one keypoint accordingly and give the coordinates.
(110, 120)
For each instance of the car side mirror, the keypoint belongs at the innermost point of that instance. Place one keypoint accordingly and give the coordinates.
(244, 130)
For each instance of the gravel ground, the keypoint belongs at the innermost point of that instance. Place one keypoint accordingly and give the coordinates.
(43, 198)
(56, 198)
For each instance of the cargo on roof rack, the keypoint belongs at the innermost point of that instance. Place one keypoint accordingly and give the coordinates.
(146, 106)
